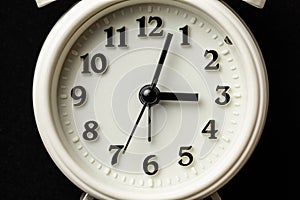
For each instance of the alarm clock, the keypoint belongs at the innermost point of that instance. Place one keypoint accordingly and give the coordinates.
(150, 99)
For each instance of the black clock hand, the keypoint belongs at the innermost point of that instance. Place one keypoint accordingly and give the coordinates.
(169, 96)
(153, 86)
(159, 66)
(161, 60)
(135, 126)
(149, 123)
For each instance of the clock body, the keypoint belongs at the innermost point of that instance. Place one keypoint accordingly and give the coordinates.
(199, 125)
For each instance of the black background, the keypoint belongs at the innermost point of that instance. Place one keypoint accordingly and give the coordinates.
(26, 169)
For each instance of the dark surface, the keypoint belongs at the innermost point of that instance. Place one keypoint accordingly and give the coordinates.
(26, 169)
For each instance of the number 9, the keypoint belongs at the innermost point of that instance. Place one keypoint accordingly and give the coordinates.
(78, 93)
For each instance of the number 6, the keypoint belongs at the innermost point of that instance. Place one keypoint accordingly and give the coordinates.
(150, 164)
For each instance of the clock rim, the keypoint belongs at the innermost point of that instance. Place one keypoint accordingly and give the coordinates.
(51, 53)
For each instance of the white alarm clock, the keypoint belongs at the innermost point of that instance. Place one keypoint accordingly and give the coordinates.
(149, 99)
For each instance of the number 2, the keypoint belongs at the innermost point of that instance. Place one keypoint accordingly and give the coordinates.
(215, 57)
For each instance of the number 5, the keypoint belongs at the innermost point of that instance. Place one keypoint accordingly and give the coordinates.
(188, 155)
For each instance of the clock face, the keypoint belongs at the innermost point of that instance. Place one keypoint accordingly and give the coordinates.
(153, 100)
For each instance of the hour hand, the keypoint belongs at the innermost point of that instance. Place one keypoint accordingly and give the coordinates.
(170, 96)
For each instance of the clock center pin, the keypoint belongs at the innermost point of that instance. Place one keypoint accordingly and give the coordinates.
(149, 95)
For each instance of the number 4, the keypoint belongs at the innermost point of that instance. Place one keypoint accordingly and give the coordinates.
(210, 128)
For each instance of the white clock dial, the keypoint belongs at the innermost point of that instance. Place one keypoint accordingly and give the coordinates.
(154, 100)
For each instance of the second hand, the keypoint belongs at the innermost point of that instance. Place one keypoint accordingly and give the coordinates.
(135, 126)
(160, 64)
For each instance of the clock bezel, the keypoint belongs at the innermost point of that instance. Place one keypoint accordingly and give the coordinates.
(54, 51)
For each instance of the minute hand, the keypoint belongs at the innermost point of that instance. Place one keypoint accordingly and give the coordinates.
(161, 60)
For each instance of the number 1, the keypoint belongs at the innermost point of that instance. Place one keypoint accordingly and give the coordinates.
(185, 35)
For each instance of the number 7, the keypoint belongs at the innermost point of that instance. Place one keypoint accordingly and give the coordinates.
(118, 148)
